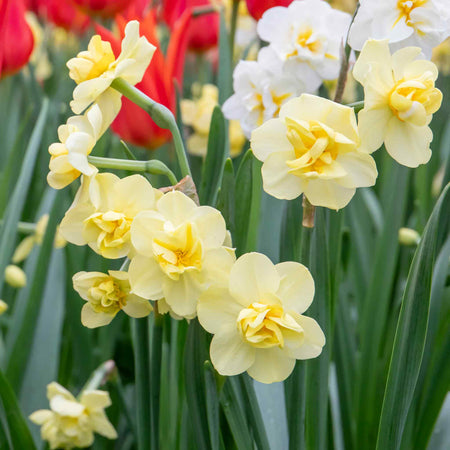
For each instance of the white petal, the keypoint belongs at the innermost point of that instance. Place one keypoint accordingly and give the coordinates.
(269, 138)
(137, 307)
(314, 339)
(176, 207)
(217, 309)
(230, 355)
(277, 180)
(407, 144)
(92, 319)
(182, 295)
(146, 277)
(252, 278)
(361, 170)
(372, 125)
(296, 289)
(271, 365)
(328, 194)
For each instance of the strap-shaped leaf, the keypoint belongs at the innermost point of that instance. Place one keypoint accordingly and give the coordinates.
(410, 335)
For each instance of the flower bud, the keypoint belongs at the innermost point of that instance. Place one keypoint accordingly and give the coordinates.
(16, 38)
(15, 276)
(3, 307)
(409, 237)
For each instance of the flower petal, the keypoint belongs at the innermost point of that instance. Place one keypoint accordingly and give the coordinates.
(269, 138)
(146, 278)
(271, 365)
(92, 319)
(314, 339)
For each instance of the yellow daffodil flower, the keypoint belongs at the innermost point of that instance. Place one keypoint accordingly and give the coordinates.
(95, 69)
(71, 423)
(313, 148)
(400, 98)
(257, 319)
(3, 307)
(27, 244)
(180, 250)
(77, 139)
(106, 295)
(15, 276)
(198, 114)
(103, 212)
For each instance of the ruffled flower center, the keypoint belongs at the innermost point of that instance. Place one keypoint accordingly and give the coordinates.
(178, 250)
(113, 229)
(406, 7)
(92, 63)
(108, 296)
(316, 148)
(415, 100)
(265, 326)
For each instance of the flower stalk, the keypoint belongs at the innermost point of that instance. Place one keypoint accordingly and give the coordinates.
(161, 115)
(154, 167)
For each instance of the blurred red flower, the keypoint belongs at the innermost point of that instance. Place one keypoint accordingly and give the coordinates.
(62, 13)
(203, 31)
(258, 7)
(103, 8)
(133, 124)
(16, 38)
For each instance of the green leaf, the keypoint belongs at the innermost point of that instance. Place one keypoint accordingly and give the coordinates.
(194, 358)
(243, 199)
(15, 207)
(225, 76)
(225, 200)
(253, 412)
(215, 159)
(410, 335)
(236, 418)
(42, 366)
(18, 429)
(316, 419)
(375, 307)
(212, 406)
(19, 348)
(140, 334)
(291, 230)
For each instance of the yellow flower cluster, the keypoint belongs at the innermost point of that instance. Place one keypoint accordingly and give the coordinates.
(71, 423)
(197, 114)
(94, 71)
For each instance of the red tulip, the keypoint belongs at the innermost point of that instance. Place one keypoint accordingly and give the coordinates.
(133, 124)
(258, 7)
(62, 13)
(16, 38)
(203, 31)
(103, 8)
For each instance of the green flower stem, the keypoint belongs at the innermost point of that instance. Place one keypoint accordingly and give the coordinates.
(233, 25)
(24, 227)
(201, 11)
(161, 115)
(153, 166)
(155, 373)
(141, 348)
(99, 376)
(296, 386)
(357, 106)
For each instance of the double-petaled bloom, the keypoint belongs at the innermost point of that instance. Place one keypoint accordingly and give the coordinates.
(400, 98)
(103, 212)
(313, 148)
(259, 92)
(307, 36)
(106, 295)
(257, 319)
(94, 70)
(71, 423)
(422, 23)
(16, 37)
(180, 251)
